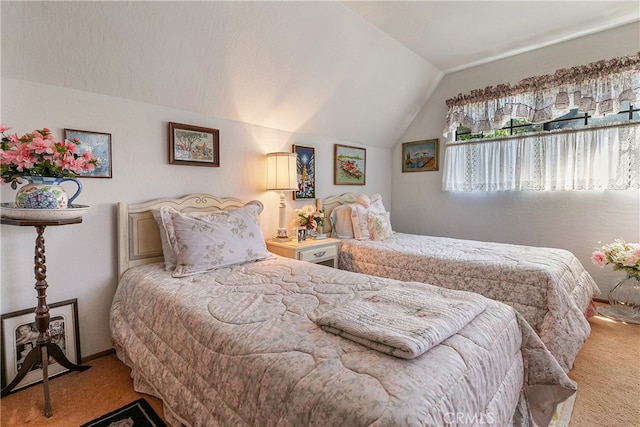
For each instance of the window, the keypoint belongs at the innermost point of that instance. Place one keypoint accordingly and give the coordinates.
(577, 129)
(572, 120)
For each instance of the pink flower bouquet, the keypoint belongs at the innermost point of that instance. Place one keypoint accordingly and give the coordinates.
(38, 154)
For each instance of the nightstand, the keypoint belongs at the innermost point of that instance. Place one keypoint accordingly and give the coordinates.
(323, 251)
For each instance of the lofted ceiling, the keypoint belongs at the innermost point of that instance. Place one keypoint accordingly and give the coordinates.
(454, 35)
(348, 71)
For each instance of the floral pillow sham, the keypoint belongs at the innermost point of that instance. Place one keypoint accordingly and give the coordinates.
(361, 211)
(379, 225)
(205, 241)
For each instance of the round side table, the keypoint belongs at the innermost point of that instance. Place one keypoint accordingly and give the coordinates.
(44, 347)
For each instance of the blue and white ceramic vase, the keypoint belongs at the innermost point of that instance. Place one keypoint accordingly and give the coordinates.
(45, 192)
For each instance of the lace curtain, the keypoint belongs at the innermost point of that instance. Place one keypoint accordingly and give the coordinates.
(602, 158)
(598, 88)
(605, 158)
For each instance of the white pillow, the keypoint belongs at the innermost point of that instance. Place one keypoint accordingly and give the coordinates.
(211, 240)
(341, 222)
(379, 225)
(360, 222)
(363, 200)
(376, 205)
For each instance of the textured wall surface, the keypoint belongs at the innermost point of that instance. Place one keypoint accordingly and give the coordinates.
(307, 67)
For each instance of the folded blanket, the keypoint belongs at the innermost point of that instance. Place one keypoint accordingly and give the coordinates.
(404, 321)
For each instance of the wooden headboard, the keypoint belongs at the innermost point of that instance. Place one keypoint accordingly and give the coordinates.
(331, 202)
(138, 234)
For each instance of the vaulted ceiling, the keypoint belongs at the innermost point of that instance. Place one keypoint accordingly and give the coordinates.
(352, 71)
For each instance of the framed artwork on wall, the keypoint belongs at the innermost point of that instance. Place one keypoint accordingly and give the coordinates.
(349, 165)
(99, 144)
(193, 145)
(420, 156)
(19, 336)
(306, 171)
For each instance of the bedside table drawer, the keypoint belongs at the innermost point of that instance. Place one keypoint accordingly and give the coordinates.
(318, 254)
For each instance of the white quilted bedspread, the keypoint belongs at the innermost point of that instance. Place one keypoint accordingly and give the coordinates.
(238, 346)
(549, 287)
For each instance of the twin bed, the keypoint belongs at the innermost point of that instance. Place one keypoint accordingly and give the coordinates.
(251, 343)
(549, 287)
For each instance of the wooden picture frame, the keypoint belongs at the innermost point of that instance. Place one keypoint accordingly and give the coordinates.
(99, 144)
(349, 165)
(306, 171)
(193, 145)
(420, 156)
(19, 335)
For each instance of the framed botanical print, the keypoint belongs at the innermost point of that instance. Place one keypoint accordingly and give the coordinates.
(193, 145)
(306, 171)
(99, 144)
(420, 156)
(350, 165)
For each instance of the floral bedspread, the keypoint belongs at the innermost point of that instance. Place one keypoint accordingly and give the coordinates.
(239, 346)
(549, 287)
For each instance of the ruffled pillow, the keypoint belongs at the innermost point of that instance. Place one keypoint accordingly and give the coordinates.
(205, 241)
(363, 200)
(376, 204)
(360, 222)
(167, 250)
(379, 225)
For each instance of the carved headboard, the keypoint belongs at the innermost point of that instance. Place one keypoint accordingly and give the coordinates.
(138, 234)
(331, 202)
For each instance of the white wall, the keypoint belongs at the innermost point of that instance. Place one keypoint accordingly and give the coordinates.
(81, 259)
(312, 67)
(573, 220)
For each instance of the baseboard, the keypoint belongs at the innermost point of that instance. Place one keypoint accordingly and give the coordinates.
(98, 355)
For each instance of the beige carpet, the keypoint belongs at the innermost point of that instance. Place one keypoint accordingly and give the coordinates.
(607, 371)
(76, 397)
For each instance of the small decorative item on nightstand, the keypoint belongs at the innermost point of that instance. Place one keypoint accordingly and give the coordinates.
(312, 219)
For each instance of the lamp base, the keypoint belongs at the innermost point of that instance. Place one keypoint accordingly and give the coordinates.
(282, 235)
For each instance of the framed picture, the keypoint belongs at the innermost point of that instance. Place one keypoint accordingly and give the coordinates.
(420, 156)
(306, 170)
(350, 165)
(193, 145)
(100, 146)
(19, 336)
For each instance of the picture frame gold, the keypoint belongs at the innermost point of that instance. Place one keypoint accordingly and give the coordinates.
(349, 165)
(193, 145)
(420, 156)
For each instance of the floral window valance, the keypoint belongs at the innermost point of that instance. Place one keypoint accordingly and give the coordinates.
(598, 88)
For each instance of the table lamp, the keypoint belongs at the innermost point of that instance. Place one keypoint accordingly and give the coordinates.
(282, 176)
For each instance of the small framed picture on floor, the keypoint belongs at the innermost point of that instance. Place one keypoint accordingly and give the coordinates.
(19, 335)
